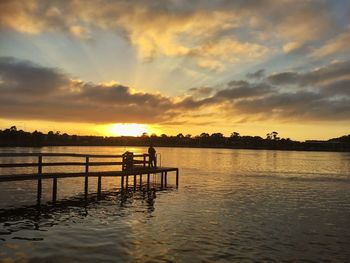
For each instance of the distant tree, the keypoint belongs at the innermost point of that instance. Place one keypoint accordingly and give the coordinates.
(204, 135)
(217, 135)
(274, 135)
(235, 135)
(217, 138)
(180, 135)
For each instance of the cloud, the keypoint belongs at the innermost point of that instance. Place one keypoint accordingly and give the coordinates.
(257, 74)
(226, 50)
(291, 46)
(315, 78)
(212, 33)
(284, 78)
(302, 21)
(337, 45)
(26, 78)
(317, 95)
(201, 92)
(30, 91)
(245, 90)
(297, 106)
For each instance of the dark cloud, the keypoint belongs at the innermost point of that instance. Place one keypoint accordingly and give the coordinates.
(237, 83)
(296, 107)
(326, 99)
(284, 78)
(33, 92)
(191, 103)
(201, 92)
(24, 77)
(319, 76)
(29, 91)
(244, 89)
(257, 74)
(340, 87)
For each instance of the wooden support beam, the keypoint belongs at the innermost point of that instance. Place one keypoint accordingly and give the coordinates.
(40, 171)
(54, 190)
(140, 181)
(122, 182)
(148, 179)
(86, 186)
(99, 185)
(177, 177)
(165, 179)
(161, 180)
(127, 182)
(135, 182)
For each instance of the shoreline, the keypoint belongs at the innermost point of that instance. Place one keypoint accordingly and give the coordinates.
(301, 149)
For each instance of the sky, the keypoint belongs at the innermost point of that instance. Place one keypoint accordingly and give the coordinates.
(175, 66)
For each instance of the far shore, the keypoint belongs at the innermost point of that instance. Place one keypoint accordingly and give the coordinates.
(306, 148)
(18, 138)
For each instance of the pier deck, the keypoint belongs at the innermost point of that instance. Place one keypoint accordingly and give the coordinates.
(34, 176)
(138, 165)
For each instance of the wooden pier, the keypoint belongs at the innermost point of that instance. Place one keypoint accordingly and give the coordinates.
(136, 166)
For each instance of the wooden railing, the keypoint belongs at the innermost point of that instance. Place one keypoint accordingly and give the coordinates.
(143, 161)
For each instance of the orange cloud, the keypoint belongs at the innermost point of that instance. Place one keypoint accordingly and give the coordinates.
(339, 44)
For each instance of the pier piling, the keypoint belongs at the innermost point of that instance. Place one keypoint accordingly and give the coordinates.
(40, 170)
(86, 185)
(54, 190)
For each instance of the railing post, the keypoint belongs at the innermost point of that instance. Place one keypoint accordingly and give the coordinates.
(40, 170)
(86, 188)
(144, 160)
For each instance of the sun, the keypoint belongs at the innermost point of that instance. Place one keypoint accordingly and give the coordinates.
(127, 129)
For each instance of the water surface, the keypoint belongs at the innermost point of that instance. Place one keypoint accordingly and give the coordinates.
(232, 205)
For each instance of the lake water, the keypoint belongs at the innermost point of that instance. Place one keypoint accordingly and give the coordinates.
(231, 206)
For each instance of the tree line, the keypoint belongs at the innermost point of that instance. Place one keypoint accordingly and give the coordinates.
(13, 137)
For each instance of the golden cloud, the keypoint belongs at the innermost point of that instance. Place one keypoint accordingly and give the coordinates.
(338, 44)
(213, 34)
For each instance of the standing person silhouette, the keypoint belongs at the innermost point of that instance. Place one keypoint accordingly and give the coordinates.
(152, 157)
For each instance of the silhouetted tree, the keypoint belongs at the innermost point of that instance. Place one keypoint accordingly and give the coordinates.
(234, 135)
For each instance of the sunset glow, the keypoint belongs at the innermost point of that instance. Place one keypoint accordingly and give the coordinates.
(126, 129)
